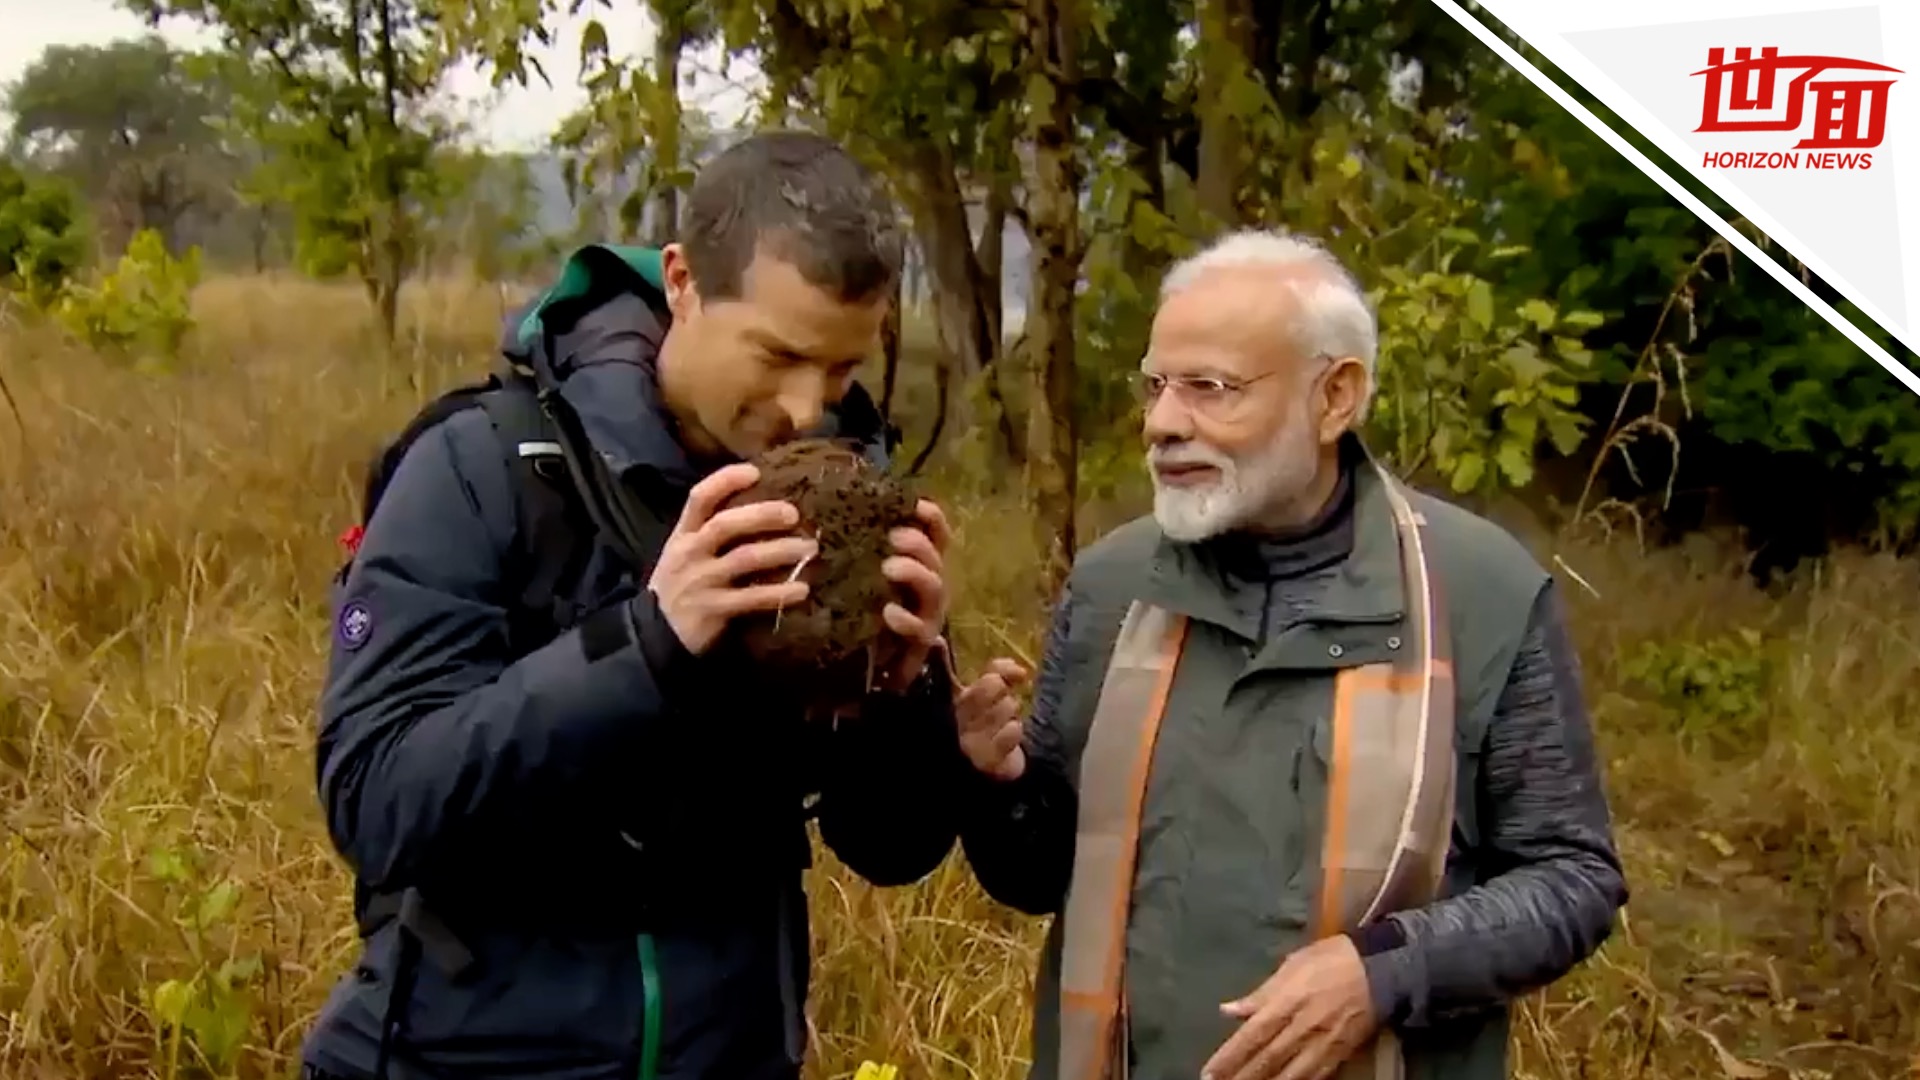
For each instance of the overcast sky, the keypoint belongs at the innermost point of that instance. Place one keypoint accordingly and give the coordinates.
(521, 120)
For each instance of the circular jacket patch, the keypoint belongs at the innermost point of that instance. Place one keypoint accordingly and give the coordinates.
(355, 624)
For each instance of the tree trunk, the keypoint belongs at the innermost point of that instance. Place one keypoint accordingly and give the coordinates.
(946, 238)
(1226, 29)
(383, 291)
(1054, 213)
(391, 241)
(991, 257)
(966, 297)
(1143, 263)
(667, 45)
(942, 390)
(890, 353)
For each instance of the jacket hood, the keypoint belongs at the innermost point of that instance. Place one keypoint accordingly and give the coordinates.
(596, 335)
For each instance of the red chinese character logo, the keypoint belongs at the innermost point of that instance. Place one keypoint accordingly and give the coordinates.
(1849, 114)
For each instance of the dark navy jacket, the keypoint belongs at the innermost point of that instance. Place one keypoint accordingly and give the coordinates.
(605, 823)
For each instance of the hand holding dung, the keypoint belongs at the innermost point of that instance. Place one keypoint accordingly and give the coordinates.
(697, 579)
(872, 601)
(918, 567)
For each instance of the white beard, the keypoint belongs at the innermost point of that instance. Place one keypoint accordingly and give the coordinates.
(1246, 490)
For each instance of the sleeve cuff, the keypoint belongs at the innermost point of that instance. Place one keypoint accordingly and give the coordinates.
(1377, 937)
(996, 805)
(1389, 975)
(934, 681)
(676, 670)
(915, 724)
(926, 701)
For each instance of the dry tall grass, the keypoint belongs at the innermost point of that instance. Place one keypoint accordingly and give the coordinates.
(167, 544)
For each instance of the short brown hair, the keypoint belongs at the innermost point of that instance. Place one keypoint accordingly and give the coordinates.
(800, 197)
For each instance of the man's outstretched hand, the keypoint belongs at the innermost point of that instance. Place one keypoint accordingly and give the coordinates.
(988, 716)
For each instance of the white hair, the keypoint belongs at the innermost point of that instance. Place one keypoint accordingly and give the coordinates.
(1335, 318)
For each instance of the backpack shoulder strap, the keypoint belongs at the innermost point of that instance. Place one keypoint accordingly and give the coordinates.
(553, 529)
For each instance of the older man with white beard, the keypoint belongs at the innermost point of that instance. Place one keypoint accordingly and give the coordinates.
(1307, 779)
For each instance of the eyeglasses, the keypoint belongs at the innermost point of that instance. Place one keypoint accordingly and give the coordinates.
(1210, 394)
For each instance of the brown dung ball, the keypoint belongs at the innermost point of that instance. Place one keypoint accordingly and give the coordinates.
(825, 648)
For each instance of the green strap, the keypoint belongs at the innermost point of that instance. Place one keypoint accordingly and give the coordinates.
(650, 1029)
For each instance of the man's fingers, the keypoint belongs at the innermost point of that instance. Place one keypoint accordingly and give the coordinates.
(915, 544)
(1004, 711)
(1009, 737)
(905, 623)
(761, 556)
(1280, 1051)
(1236, 1051)
(1317, 1059)
(708, 494)
(1010, 672)
(1266, 1064)
(989, 716)
(1247, 1006)
(984, 692)
(987, 707)
(1254, 1034)
(736, 523)
(915, 575)
(935, 521)
(759, 598)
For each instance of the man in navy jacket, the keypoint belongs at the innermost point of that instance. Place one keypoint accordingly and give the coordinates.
(578, 841)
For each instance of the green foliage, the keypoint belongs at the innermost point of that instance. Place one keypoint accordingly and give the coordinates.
(1130, 237)
(81, 100)
(1470, 387)
(1475, 377)
(43, 235)
(207, 1011)
(336, 93)
(337, 208)
(142, 309)
(1803, 389)
(1716, 691)
(635, 139)
(486, 213)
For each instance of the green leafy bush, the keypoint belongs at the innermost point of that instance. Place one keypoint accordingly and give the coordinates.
(1716, 691)
(43, 236)
(204, 1014)
(144, 308)
(1470, 386)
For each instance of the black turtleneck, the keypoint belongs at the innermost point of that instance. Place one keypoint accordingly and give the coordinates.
(1281, 571)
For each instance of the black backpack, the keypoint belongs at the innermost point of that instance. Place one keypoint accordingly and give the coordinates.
(555, 528)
